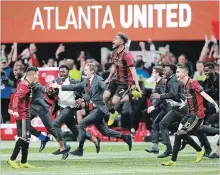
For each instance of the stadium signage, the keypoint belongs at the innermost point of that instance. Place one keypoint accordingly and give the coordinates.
(89, 21)
(137, 16)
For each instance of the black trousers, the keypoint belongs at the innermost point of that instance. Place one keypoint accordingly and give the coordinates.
(24, 134)
(191, 124)
(168, 119)
(136, 114)
(155, 126)
(212, 119)
(24, 129)
(204, 129)
(46, 120)
(96, 117)
(66, 116)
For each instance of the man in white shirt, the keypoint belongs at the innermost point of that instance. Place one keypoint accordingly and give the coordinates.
(68, 106)
(93, 86)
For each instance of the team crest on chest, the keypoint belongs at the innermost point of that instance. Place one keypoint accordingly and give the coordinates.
(118, 61)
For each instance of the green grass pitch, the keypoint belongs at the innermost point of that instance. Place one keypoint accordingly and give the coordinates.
(114, 158)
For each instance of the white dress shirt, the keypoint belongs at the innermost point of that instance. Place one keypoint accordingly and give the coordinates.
(90, 80)
(66, 98)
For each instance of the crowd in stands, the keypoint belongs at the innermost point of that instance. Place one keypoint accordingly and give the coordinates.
(127, 117)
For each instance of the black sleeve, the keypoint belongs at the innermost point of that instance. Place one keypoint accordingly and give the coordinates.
(40, 88)
(173, 91)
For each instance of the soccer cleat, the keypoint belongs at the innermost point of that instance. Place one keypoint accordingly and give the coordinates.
(98, 145)
(169, 163)
(57, 152)
(77, 152)
(214, 156)
(65, 155)
(165, 154)
(200, 155)
(26, 165)
(112, 118)
(13, 164)
(43, 144)
(135, 93)
(128, 140)
(152, 150)
(207, 152)
(65, 152)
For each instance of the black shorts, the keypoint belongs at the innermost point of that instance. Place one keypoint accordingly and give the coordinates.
(191, 123)
(117, 89)
(24, 129)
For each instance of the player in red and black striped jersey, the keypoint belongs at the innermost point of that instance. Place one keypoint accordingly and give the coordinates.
(21, 111)
(192, 122)
(19, 71)
(122, 75)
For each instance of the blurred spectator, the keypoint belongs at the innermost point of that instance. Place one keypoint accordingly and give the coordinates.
(173, 59)
(167, 51)
(13, 55)
(209, 55)
(156, 60)
(81, 56)
(217, 68)
(6, 88)
(106, 72)
(19, 64)
(50, 63)
(29, 57)
(82, 61)
(144, 55)
(139, 69)
(199, 75)
(62, 62)
(139, 57)
(73, 73)
(60, 49)
(183, 60)
(10, 56)
(165, 59)
(151, 47)
(109, 58)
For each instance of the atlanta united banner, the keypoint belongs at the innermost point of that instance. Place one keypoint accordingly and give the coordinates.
(39, 21)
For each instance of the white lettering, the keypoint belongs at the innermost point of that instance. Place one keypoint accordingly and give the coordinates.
(128, 23)
(71, 19)
(170, 15)
(96, 8)
(140, 16)
(82, 16)
(187, 8)
(48, 9)
(108, 14)
(150, 16)
(57, 26)
(159, 8)
(37, 20)
(99, 17)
